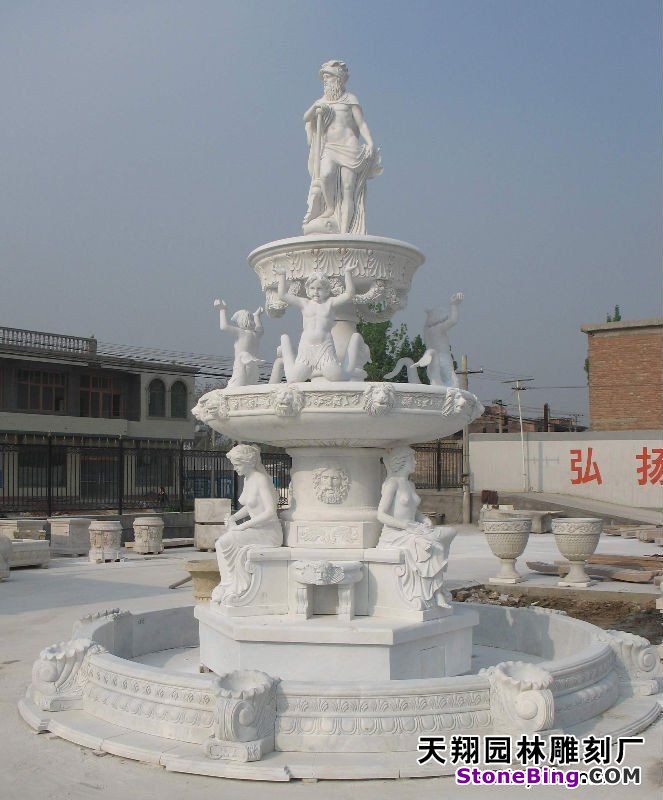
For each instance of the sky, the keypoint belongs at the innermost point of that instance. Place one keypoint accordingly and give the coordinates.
(148, 147)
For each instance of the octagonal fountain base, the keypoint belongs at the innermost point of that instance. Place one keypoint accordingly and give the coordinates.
(323, 647)
(129, 685)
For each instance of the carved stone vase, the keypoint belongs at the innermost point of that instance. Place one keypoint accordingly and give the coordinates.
(507, 538)
(205, 577)
(105, 540)
(148, 535)
(577, 538)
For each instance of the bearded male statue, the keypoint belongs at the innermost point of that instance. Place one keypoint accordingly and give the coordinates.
(339, 162)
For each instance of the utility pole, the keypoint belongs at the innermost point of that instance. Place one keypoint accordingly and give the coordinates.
(518, 388)
(463, 374)
(500, 415)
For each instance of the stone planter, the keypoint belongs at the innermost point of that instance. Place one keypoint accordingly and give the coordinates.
(205, 576)
(148, 535)
(577, 538)
(105, 540)
(507, 538)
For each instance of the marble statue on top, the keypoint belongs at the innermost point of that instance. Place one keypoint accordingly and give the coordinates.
(248, 331)
(316, 354)
(437, 359)
(259, 525)
(426, 547)
(339, 161)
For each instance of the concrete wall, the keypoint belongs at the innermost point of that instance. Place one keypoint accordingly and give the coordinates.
(150, 428)
(608, 472)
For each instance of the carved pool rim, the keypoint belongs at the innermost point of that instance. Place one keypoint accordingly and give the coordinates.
(173, 712)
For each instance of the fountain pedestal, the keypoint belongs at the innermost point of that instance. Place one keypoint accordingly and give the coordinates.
(323, 648)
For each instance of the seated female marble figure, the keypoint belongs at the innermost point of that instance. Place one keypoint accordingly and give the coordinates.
(259, 500)
(426, 546)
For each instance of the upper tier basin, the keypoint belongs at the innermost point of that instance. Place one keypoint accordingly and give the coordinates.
(349, 414)
(383, 270)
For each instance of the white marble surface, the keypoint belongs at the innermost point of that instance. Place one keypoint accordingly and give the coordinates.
(40, 606)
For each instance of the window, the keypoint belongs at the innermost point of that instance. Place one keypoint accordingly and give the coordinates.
(178, 400)
(40, 390)
(33, 467)
(100, 396)
(156, 406)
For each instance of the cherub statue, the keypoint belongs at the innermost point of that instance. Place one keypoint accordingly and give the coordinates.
(437, 358)
(248, 331)
(316, 354)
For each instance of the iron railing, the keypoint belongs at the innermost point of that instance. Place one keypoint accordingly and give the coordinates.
(439, 465)
(54, 477)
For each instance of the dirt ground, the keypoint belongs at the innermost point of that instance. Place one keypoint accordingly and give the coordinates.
(620, 614)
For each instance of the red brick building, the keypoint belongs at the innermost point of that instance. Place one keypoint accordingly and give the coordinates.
(626, 375)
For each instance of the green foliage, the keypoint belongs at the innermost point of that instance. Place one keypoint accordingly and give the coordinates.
(615, 316)
(387, 344)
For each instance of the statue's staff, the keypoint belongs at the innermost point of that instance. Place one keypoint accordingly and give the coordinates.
(317, 142)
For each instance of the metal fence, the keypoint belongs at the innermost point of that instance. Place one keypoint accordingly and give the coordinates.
(439, 466)
(54, 477)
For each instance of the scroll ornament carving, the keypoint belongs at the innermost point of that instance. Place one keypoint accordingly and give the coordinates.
(520, 697)
(244, 717)
(637, 661)
(57, 678)
(329, 535)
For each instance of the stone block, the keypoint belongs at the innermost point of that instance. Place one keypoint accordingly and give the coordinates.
(23, 528)
(205, 536)
(30, 553)
(70, 536)
(215, 510)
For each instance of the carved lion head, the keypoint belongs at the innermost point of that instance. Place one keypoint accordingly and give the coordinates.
(378, 399)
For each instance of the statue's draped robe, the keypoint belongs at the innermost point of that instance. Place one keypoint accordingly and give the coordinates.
(354, 156)
(426, 553)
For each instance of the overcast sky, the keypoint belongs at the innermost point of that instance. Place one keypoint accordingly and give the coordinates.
(147, 147)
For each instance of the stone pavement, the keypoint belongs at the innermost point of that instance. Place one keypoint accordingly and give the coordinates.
(38, 607)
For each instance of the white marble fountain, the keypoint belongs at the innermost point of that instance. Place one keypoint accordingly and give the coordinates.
(331, 643)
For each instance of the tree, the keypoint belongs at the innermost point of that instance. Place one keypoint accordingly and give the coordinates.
(615, 316)
(387, 344)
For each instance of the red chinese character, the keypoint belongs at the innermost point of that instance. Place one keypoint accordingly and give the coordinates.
(590, 472)
(651, 466)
